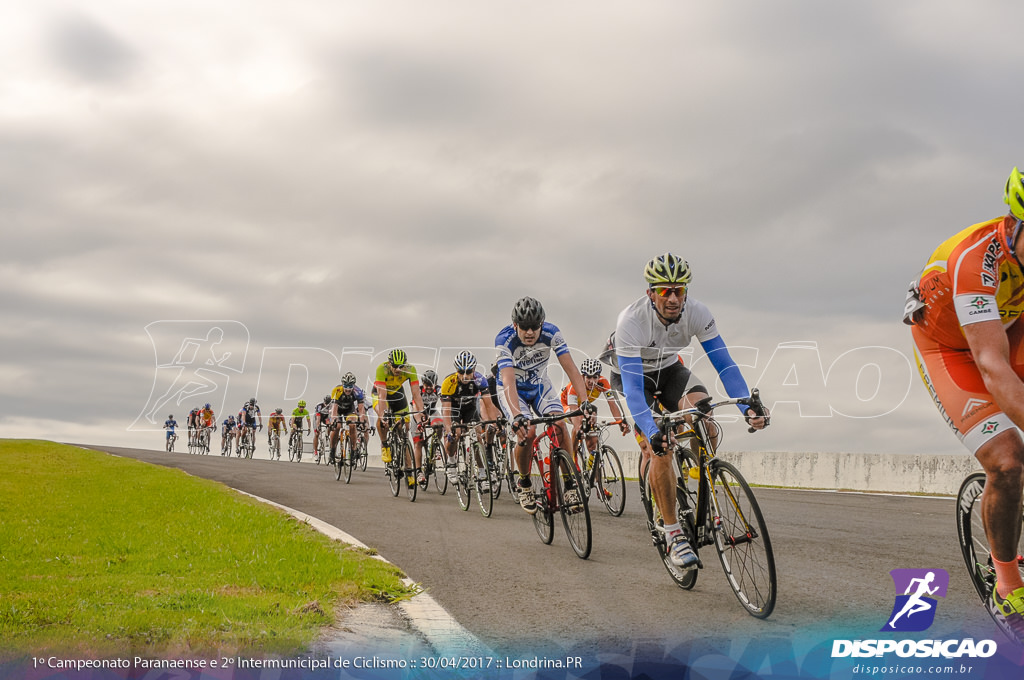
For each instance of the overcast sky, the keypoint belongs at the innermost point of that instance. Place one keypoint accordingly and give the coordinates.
(340, 178)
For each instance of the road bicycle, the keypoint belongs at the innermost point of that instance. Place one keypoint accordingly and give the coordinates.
(561, 488)
(601, 469)
(975, 549)
(471, 470)
(715, 506)
(203, 441)
(323, 440)
(399, 469)
(246, 444)
(350, 451)
(497, 454)
(435, 460)
(225, 443)
(275, 445)
(295, 445)
(170, 442)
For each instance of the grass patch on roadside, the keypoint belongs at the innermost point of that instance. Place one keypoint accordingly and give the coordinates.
(102, 555)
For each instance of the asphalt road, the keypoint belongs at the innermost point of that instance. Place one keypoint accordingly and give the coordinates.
(833, 554)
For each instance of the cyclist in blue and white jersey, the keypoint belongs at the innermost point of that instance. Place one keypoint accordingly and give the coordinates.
(228, 431)
(524, 388)
(169, 425)
(648, 337)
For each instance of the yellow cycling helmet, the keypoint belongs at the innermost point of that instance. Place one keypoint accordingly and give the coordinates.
(302, 403)
(667, 268)
(397, 358)
(1013, 196)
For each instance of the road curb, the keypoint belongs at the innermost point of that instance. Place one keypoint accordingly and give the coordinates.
(427, 618)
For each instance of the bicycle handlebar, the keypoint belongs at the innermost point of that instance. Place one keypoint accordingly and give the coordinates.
(705, 407)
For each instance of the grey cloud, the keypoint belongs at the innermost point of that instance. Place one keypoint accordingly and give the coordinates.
(88, 50)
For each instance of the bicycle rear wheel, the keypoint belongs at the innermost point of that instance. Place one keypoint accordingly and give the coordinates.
(437, 454)
(409, 478)
(544, 518)
(742, 541)
(479, 477)
(363, 454)
(684, 578)
(611, 482)
(573, 504)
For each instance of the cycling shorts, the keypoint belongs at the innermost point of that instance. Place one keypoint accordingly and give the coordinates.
(663, 389)
(545, 401)
(397, 401)
(958, 390)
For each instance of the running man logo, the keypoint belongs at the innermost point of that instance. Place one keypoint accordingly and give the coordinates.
(194, 362)
(914, 609)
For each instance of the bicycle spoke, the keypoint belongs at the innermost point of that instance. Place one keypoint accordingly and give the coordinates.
(572, 503)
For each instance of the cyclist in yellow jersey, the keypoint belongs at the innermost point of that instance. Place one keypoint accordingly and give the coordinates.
(389, 395)
(275, 424)
(298, 414)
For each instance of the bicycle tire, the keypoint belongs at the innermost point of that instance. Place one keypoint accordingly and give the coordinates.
(742, 541)
(170, 446)
(684, 578)
(484, 496)
(611, 481)
(364, 454)
(462, 489)
(974, 544)
(437, 454)
(206, 443)
(348, 459)
(493, 469)
(575, 516)
(544, 518)
(409, 473)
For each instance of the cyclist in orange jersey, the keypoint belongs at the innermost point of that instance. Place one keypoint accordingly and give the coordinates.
(969, 347)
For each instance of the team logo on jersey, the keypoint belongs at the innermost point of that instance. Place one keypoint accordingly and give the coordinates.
(914, 609)
(990, 427)
(980, 302)
(973, 405)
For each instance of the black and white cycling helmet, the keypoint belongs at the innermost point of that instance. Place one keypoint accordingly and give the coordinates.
(591, 368)
(429, 377)
(666, 269)
(528, 312)
(465, 361)
(348, 380)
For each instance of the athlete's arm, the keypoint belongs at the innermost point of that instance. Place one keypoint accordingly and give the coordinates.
(991, 350)
(632, 371)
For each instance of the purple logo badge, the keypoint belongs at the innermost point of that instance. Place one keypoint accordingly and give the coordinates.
(916, 590)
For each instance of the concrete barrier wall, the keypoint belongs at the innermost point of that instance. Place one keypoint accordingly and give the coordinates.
(927, 474)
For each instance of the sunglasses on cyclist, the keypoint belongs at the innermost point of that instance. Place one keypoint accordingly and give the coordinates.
(471, 371)
(666, 291)
(533, 327)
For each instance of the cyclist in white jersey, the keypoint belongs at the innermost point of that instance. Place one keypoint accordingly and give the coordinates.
(646, 367)
(524, 350)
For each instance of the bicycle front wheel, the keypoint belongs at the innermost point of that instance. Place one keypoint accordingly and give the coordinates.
(409, 480)
(440, 466)
(544, 518)
(480, 479)
(462, 476)
(971, 532)
(611, 482)
(742, 541)
(573, 504)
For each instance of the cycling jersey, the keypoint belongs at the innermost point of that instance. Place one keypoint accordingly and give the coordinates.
(169, 425)
(205, 418)
(393, 383)
(298, 414)
(275, 422)
(457, 393)
(247, 416)
(570, 401)
(430, 396)
(529, 361)
(645, 346)
(347, 402)
(970, 278)
(229, 425)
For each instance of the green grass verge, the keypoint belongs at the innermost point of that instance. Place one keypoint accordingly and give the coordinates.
(103, 555)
